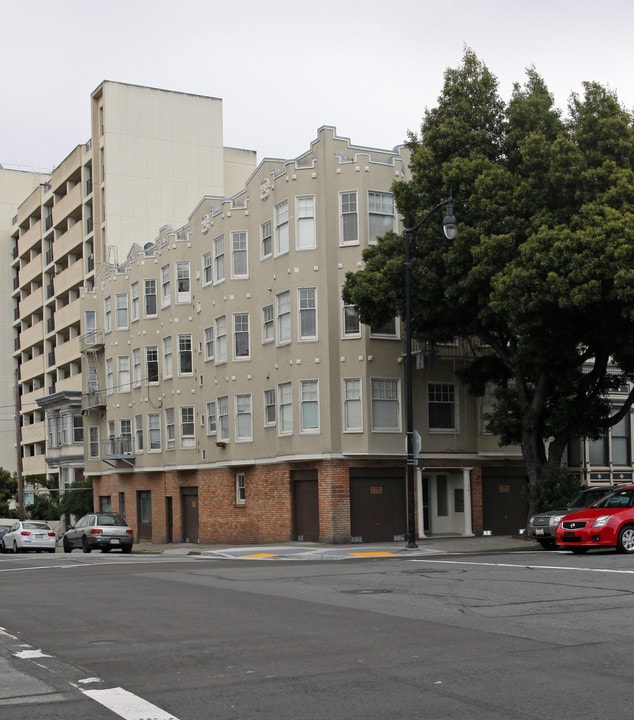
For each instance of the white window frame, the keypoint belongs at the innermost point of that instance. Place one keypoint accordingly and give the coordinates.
(285, 408)
(218, 245)
(268, 324)
(185, 349)
(283, 331)
(266, 239)
(241, 331)
(182, 270)
(208, 269)
(93, 442)
(309, 407)
(239, 254)
(170, 428)
(151, 350)
(282, 232)
(241, 490)
(107, 314)
(211, 418)
(222, 428)
(187, 415)
(154, 443)
(166, 286)
(122, 318)
(386, 390)
(123, 374)
(209, 343)
(270, 407)
(139, 433)
(168, 358)
(305, 228)
(137, 371)
(135, 302)
(221, 339)
(149, 284)
(349, 216)
(307, 308)
(352, 405)
(380, 212)
(244, 417)
(109, 376)
(442, 394)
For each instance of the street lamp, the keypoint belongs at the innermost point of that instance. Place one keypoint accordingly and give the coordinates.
(450, 229)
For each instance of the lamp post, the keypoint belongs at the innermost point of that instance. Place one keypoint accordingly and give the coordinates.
(450, 229)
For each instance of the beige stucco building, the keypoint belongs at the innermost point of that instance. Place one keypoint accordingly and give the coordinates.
(230, 396)
(150, 156)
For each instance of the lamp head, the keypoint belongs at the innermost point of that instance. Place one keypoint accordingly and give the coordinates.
(449, 224)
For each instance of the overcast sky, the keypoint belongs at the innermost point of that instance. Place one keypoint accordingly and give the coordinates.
(284, 68)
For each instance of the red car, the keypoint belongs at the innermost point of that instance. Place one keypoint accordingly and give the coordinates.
(607, 523)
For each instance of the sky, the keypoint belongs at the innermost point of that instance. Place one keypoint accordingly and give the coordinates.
(284, 68)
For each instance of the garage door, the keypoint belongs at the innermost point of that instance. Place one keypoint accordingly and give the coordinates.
(377, 505)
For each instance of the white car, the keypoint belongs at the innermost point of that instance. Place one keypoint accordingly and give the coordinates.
(25, 535)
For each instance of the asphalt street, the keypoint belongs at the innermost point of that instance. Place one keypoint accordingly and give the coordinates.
(191, 635)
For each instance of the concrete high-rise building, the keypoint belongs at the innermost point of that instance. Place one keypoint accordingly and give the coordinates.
(150, 156)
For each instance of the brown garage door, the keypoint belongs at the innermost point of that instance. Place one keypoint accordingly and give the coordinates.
(504, 501)
(377, 504)
(305, 506)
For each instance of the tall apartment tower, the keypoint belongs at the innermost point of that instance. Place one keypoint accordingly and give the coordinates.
(151, 155)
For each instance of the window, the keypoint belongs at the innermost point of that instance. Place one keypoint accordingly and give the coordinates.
(221, 339)
(349, 218)
(125, 433)
(138, 431)
(306, 237)
(107, 314)
(219, 258)
(241, 335)
(105, 503)
(266, 239)
(285, 393)
(134, 294)
(211, 418)
(352, 417)
(613, 448)
(385, 405)
(90, 319)
(121, 301)
(380, 215)
(239, 259)
(92, 383)
(123, 374)
(78, 428)
(389, 330)
(166, 290)
(350, 322)
(244, 418)
(154, 431)
(93, 442)
(268, 327)
(109, 376)
(223, 418)
(269, 407)
(441, 408)
(309, 406)
(185, 355)
(170, 430)
(307, 313)
(149, 297)
(136, 367)
(151, 365)
(283, 317)
(183, 282)
(188, 430)
(207, 268)
(209, 343)
(281, 228)
(241, 494)
(168, 363)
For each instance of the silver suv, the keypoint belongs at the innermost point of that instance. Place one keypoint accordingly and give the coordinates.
(542, 526)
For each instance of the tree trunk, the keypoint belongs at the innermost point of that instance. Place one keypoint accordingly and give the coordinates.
(533, 451)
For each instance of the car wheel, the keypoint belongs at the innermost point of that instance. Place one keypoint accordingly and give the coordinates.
(2, 548)
(547, 544)
(625, 543)
(15, 547)
(579, 551)
(126, 549)
(67, 546)
(84, 545)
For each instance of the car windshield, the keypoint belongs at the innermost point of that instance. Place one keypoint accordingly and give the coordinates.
(35, 526)
(616, 499)
(582, 500)
(110, 520)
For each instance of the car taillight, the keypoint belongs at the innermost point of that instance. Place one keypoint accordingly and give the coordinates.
(25, 532)
(51, 534)
(129, 532)
(96, 531)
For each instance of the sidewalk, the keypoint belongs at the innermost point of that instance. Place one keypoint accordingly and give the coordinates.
(319, 551)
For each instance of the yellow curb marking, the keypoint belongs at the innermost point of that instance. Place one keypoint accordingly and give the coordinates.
(370, 553)
(260, 555)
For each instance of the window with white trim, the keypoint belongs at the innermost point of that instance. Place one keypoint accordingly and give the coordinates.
(166, 286)
(268, 324)
(137, 372)
(109, 376)
(221, 339)
(138, 431)
(352, 409)
(154, 431)
(135, 301)
(183, 282)
(123, 373)
(151, 365)
(307, 308)
(168, 359)
(125, 435)
(305, 237)
(93, 442)
(386, 411)
(441, 406)
(281, 228)
(283, 301)
(207, 268)
(121, 302)
(107, 314)
(241, 489)
(285, 395)
(309, 406)
(209, 343)
(269, 407)
(380, 215)
(223, 418)
(185, 355)
(188, 427)
(211, 418)
(244, 418)
(349, 217)
(241, 349)
(170, 429)
(149, 297)
(219, 258)
(266, 240)
(239, 257)
(388, 331)
(350, 324)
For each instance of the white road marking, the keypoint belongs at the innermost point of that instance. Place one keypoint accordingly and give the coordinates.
(127, 705)
(523, 566)
(30, 654)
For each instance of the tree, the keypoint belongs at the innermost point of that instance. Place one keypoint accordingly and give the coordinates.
(8, 491)
(77, 499)
(542, 270)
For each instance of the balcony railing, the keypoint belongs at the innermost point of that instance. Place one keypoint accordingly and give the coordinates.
(92, 340)
(94, 399)
(118, 448)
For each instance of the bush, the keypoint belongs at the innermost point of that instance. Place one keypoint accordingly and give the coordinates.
(555, 489)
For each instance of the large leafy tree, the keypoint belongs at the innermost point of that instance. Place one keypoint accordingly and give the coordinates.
(541, 273)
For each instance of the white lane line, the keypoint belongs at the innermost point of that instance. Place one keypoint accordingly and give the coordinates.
(527, 567)
(127, 705)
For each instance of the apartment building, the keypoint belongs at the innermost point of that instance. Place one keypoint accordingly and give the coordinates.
(150, 156)
(230, 396)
